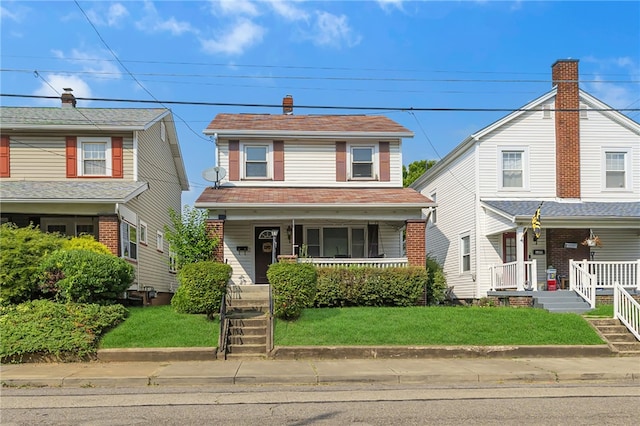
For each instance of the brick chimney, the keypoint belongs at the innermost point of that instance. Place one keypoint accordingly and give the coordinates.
(68, 100)
(287, 105)
(564, 75)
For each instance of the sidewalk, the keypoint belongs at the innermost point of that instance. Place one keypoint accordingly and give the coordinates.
(431, 371)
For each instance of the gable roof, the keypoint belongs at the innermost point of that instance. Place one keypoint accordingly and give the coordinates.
(32, 118)
(230, 125)
(531, 106)
(256, 197)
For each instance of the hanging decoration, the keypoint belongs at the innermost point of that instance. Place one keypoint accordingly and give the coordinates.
(592, 241)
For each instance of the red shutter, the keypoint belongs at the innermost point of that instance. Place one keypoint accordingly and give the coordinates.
(117, 169)
(385, 162)
(278, 160)
(341, 161)
(72, 156)
(234, 160)
(5, 157)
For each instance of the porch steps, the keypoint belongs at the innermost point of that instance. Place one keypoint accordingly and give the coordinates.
(560, 301)
(247, 310)
(617, 335)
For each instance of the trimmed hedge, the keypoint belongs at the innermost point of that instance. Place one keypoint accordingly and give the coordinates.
(84, 276)
(86, 242)
(366, 286)
(21, 251)
(293, 286)
(202, 287)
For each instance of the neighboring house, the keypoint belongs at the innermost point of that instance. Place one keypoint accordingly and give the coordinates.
(324, 188)
(109, 172)
(565, 150)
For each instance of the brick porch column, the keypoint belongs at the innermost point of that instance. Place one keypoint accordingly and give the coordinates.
(108, 233)
(415, 240)
(215, 228)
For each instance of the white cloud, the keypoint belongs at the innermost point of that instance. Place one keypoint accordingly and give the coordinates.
(387, 5)
(112, 17)
(288, 11)
(617, 95)
(332, 30)
(57, 82)
(153, 23)
(94, 62)
(234, 7)
(7, 14)
(241, 36)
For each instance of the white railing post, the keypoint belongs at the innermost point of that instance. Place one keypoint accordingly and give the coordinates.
(638, 274)
(492, 285)
(534, 275)
(616, 301)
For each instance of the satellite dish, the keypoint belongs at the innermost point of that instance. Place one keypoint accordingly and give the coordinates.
(214, 174)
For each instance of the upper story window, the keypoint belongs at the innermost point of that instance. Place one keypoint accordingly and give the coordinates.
(256, 161)
(143, 233)
(434, 211)
(94, 157)
(616, 169)
(362, 162)
(513, 168)
(465, 252)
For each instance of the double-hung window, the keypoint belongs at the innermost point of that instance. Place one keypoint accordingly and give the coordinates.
(616, 169)
(465, 253)
(94, 157)
(129, 241)
(256, 161)
(513, 168)
(362, 161)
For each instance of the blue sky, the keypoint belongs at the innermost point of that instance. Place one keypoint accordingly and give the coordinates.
(389, 54)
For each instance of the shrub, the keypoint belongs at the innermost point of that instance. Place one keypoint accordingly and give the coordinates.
(85, 242)
(436, 283)
(366, 286)
(202, 287)
(54, 331)
(189, 238)
(293, 286)
(20, 256)
(84, 276)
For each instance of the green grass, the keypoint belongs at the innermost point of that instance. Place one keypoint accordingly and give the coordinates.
(434, 326)
(602, 311)
(162, 327)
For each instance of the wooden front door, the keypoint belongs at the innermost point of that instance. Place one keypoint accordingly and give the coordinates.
(264, 252)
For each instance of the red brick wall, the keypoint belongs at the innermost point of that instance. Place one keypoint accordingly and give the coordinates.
(108, 233)
(215, 228)
(415, 239)
(558, 256)
(565, 77)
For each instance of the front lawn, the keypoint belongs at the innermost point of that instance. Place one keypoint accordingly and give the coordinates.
(434, 326)
(162, 327)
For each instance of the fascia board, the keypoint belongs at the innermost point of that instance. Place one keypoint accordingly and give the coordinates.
(226, 133)
(307, 206)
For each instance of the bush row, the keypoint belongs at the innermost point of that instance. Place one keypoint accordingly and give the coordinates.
(202, 287)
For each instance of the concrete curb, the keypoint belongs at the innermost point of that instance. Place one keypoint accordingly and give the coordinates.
(360, 352)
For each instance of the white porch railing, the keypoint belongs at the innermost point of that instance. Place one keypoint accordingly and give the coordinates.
(582, 282)
(627, 274)
(384, 262)
(626, 309)
(505, 276)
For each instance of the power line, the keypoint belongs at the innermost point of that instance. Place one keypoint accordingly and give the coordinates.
(326, 107)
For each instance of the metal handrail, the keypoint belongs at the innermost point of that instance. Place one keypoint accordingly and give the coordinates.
(224, 328)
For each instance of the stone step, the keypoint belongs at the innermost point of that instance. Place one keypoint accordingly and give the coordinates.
(246, 303)
(247, 331)
(247, 349)
(239, 291)
(620, 337)
(613, 329)
(246, 356)
(625, 347)
(248, 322)
(603, 321)
(237, 339)
(565, 307)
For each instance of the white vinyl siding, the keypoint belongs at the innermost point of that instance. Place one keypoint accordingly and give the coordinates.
(313, 163)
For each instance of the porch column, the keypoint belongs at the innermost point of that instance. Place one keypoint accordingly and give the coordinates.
(520, 236)
(215, 228)
(108, 233)
(416, 241)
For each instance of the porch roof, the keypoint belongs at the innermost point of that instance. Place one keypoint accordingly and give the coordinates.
(269, 197)
(85, 191)
(524, 209)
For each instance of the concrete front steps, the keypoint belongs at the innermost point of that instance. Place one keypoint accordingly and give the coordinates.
(560, 301)
(247, 310)
(620, 339)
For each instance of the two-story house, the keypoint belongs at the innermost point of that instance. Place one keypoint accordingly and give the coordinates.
(566, 152)
(109, 172)
(323, 188)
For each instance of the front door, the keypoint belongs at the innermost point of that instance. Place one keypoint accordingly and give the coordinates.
(265, 251)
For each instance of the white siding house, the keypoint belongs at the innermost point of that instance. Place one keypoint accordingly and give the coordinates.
(323, 188)
(109, 172)
(565, 152)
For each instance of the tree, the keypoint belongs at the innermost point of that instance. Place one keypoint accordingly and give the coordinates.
(189, 239)
(415, 170)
